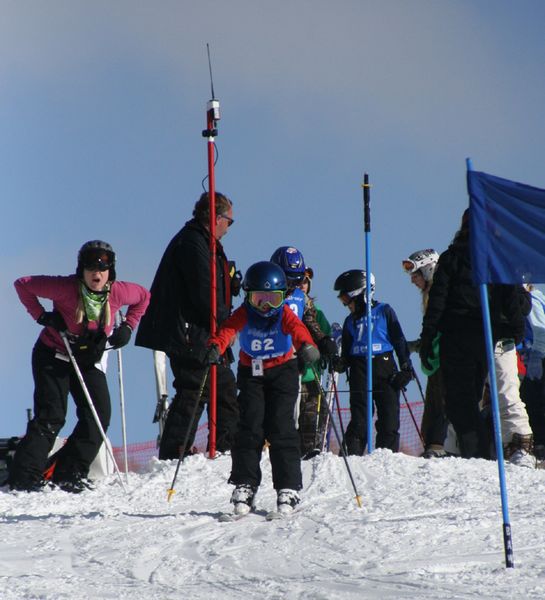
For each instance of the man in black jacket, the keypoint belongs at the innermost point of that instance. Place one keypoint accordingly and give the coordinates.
(454, 310)
(178, 323)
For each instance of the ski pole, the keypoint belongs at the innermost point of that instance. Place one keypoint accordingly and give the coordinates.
(419, 386)
(343, 452)
(212, 118)
(161, 408)
(368, 309)
(92, 407)
(338, 404)
(119, 320)
(317, 424)
(330, 399)
(170, 491)
(412, 417)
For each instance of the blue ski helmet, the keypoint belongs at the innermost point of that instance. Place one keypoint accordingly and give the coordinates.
(264, 276)
(292, 263)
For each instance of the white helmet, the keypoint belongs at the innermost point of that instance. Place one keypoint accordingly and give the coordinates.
(424, 261)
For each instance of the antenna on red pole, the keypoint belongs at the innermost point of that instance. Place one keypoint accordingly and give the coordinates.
(212, 117)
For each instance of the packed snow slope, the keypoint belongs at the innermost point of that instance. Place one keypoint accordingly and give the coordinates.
(427, 529)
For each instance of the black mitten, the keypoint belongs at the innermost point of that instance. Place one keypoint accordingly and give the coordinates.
(120, 336)
(52, 319)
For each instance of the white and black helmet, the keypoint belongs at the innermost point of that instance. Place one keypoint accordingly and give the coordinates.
(424, 261)
(96, 254)
(353, 283)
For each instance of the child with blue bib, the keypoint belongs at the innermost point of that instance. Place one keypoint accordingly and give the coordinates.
(268, 382)
(388, 380)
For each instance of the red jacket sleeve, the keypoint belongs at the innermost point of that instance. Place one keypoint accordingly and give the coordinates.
(229, 328)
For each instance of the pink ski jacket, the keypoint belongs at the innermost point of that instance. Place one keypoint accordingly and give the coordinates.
(64, 292)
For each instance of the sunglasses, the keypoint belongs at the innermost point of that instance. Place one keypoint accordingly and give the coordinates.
(228, 219)
(261, 300)
(97, 261)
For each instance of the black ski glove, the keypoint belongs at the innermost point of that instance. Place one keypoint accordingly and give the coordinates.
(338, 364)
(327, 347)
(120, 336)
(213, 356)
(308, 354)
(52, 319)
(400, 379)
(426, 350)
(414, 346)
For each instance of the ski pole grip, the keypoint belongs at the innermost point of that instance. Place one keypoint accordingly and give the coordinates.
(366, 203)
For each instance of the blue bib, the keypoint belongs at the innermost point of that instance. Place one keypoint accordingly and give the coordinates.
(264, 338)
(296, 301)
(358, 331)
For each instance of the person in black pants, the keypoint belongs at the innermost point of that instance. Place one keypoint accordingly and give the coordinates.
(387, 337)
(177, 322)
(268, 380)
(454, 310)
(84, 306)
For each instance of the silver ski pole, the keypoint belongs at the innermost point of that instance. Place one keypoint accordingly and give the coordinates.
(119, 320)
(92, 407)
(341, 446)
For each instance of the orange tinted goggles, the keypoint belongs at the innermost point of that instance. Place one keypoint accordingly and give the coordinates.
(408, 266)
(263, 299)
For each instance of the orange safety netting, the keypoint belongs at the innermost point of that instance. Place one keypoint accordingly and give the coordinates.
(140, 454)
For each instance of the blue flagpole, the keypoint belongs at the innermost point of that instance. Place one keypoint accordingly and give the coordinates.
(507, 541)
(367, 220)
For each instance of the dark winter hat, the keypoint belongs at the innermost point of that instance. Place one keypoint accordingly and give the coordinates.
(96, 255)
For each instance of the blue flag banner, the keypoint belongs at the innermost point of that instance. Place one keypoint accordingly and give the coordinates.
(507, 230)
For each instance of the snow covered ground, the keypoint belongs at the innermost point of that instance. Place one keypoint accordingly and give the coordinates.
(427, 529)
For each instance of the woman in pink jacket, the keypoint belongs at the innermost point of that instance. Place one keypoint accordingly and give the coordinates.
(84, 306)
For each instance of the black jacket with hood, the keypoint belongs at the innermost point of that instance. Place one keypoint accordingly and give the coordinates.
(454, 302)
(177, 320)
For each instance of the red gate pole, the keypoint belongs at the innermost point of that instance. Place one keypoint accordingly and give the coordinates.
(212, 117)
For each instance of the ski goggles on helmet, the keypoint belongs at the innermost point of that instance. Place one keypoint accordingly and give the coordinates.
(409, 266)
(347, 297)
(266, 299)
(97, 260)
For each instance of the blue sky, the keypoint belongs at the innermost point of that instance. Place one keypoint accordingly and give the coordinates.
(102, 106)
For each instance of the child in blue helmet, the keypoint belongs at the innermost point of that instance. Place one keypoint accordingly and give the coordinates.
(298, 277)
(268, 382)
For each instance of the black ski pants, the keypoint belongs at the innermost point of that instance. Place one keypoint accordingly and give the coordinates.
(532, 393)
(464, 369)
(188, 377)
(385, 399)
(267, 412)
(54, 379)
(434, 420)
(312, 417)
